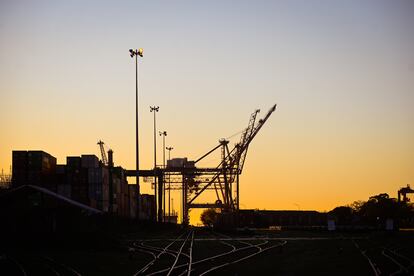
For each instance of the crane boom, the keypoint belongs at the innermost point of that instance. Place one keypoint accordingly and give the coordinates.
(232, 162)
(255, 129)
(103, 153)
(244, 139)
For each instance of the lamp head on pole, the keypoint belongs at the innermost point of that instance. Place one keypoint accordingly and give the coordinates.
(163, 133)
(154, 108)
(139, 52)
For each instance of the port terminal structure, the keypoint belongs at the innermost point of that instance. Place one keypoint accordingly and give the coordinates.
(403, 192)
(193, 181)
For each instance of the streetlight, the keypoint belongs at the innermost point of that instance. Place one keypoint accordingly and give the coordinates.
(155, 109)
(169, 152)
(137, 53)
(169, 183)
(163, 134)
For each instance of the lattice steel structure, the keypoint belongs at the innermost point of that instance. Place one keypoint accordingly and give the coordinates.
(223, 179)
(103, 153)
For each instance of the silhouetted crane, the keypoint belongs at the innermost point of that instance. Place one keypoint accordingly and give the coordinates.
(103, 153)
(193, 181)
(404, 191)
(229, 169)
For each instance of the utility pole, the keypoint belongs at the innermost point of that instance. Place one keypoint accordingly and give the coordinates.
(111, 181)
(169, 183)
(137, 53)
(172, 204)
(155, 109)
(163, 134)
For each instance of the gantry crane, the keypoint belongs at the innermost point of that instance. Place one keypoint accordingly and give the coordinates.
(404, 191)
(223, 179)
(229, 169)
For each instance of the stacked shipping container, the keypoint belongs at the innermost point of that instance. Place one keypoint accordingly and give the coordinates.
(98, 182)
(63, 187)
(121, 193)
(34, 168)
(84, 179)
(77, 177)
(147, 207)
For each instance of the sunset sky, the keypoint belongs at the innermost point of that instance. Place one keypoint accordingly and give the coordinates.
(341, 72)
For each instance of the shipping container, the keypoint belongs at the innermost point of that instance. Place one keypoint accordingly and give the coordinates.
(89, 161)
(147, 207)
(176, 163)
(73, 163)
(34, 168)
(132, 201)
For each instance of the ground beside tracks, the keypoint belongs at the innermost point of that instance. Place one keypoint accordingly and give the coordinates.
(197, 251)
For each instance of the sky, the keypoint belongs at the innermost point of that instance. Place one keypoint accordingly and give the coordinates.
(341, 72)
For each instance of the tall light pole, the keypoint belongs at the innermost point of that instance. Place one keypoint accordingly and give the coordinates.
(172, 204)
(163, 134)
(169, 152)
(155, 109)
(135, 53)
(169, 188)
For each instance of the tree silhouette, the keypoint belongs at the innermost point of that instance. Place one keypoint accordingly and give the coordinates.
(375, 212)
(342, 214)
(208, 217)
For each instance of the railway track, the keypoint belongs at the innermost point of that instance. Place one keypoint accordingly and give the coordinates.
(158, 260)
(179, 253)
(199, 252)
(237, 251)
(9, 265)
(384, 259)
(240, 254)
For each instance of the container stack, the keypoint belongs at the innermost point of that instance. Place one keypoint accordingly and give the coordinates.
(63, 187)
(147, 207)
(121, 193)
(77, 177)
(98, 182)
(133, 199)
(19, 172)
(84, 179)
(34, 168)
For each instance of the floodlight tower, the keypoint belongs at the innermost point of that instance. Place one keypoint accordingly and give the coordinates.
(135, 53)
(169, 183)
(163, 134)
(155, 109)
